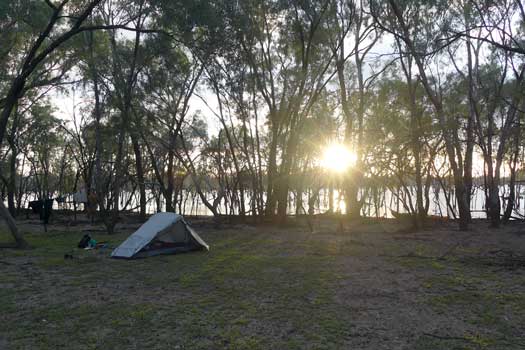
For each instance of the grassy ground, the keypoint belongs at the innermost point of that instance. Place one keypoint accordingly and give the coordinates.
(373, 286)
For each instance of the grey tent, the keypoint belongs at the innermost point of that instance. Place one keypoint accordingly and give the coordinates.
(163, 233)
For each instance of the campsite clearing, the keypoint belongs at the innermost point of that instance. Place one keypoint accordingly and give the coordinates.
(374, 286)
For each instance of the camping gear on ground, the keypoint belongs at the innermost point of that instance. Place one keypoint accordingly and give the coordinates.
(89, 243)
(84, 241)
(92, 243)
(163, 233)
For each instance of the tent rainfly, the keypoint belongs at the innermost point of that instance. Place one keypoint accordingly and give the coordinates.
(163, 233)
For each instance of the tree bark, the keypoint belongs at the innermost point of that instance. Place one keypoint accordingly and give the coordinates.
(271, 200)
(20, 242)
(140, 176)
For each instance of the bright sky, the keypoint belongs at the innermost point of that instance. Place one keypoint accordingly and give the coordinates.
(65, 103)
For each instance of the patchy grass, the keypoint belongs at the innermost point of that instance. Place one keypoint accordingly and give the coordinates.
(258, 288)
(243, 294)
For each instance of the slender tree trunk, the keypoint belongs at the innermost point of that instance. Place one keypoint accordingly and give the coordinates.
(512, 192)
(98, 185)
(11, 185)
(126, 87)
(20, 189)
(331, 197)
(287, 169)
(356, 180)
(415, 135)
(493, 201)
(170, 179)
(513, 171)
(314, 195)
(140, 176)
(469, 152)
(119, 172)
(300, 190)
(271, 200)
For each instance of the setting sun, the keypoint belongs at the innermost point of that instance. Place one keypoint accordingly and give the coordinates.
(338, 158)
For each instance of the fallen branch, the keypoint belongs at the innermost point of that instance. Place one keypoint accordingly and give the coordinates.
(446, 337)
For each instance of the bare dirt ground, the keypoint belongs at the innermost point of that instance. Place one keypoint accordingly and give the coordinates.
(368, 285)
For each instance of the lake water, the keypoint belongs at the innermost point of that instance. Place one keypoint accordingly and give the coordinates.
(379, 204)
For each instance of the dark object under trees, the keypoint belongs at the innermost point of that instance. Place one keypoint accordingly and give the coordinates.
(43, 207)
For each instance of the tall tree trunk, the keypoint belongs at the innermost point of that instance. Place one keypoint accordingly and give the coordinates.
(11, 185)
(20, 242)
(356, 180)
(331, 197)
(287, 168)
(469, 152)
(140, 176)
(127, 87)
(119, 172)
(415, 136)
(513, 171)
(170, 179)
(271, 200)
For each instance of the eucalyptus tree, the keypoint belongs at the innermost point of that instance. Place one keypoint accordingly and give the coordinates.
(226, 178)
(497, 107)
(28, 140)
(168, 84)
(319, 130)
(10, 174)
(286, 48)
(492, 81)
(54, 24)
(51, 26)
(514, 158)
(230, 95)
(45, 149)
(89, 133)
(29, 37)
(127, 59)
(422, 40)
(195, 137)
(501, 21)
(398, 110)
(237, 114)
(416, 145)
(356, 35)
(236, 105)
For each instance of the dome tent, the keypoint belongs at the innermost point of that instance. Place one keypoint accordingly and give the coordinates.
(163, 233)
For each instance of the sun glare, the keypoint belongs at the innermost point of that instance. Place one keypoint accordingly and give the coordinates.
(338, 158)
